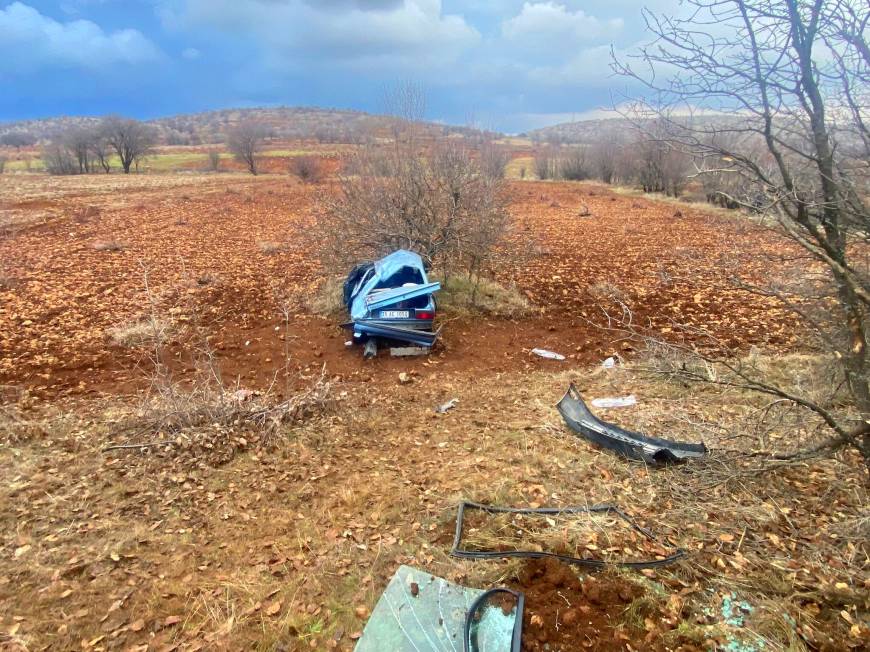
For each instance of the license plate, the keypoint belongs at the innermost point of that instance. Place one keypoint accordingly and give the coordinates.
(395, 314)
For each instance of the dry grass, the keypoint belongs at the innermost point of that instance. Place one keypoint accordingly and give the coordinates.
(592, 535)
(327, 298)
(271, 248)
(606, 291)
(459, 296)
(464, 296)
(7, 281)
(144, 332)
(679, 203)
(109, 245)
(287, 543)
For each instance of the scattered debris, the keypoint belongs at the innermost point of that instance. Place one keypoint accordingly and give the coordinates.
(550, 355)
(446, 407)
(242, 395)
(610, 363)
(621, 401)
(630, 444)
(457, 551)
(739, 638)
(436, 616)
(391, 299)
(405, 378)
(408, 351)
(370, 349)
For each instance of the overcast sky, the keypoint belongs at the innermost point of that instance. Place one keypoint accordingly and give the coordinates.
(505, 64)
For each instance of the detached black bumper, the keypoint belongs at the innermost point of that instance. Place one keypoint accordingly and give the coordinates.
(630, 444)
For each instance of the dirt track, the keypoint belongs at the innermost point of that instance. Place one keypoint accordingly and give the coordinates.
(200, 239)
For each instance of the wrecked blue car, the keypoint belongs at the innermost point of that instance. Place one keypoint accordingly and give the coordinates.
(391, 300)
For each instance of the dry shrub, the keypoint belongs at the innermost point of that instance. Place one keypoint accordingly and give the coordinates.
(328, 298)
(109, 245)
(599, 535)
(546, 166)
(437, 202)
(308, 169)
(140, 333)
(606, 291)
(7, 281)
(201, 420)
(776, 425)
(461, 295)
(207, 278)
(573, 166)
(20, 423)
(269, 248)
(86, 214)
(245, 140)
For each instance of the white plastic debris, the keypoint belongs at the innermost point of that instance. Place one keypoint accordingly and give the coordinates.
(610, 363)
(449, 405)
(349, 343)
(550, 355)
(621, 401)
(242, 395)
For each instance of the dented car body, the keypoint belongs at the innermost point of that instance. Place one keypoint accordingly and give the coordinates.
(392, 299)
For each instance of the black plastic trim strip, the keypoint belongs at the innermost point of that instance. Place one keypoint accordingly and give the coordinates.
(516, 638)
(456, 551)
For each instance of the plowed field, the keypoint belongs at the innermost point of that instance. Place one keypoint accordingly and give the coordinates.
(81, 256)
(198, 530)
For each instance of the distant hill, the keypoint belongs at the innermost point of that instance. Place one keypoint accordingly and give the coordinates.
(614, 129)
(581, 131)
(326, 125)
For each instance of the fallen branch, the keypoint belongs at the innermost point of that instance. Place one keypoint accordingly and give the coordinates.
(142, 445)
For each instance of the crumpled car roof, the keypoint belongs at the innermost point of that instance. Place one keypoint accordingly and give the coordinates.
(384, 268)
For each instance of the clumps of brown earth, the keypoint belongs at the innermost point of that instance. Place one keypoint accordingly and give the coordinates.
(564, 613)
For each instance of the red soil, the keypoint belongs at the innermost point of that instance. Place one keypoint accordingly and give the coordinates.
(202, 248)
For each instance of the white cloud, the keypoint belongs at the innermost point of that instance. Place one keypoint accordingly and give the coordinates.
(553, 26)
(339, 32)
(30, 41)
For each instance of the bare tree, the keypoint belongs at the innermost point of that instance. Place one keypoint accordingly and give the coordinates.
(794, 75)
(130, 139)
(573, 165)
(604, 160)
(58, 160)
(17, 139)
(214, 160)
(3, 160)
(493, 159)
(245, 141)
(660, 164)
(79, 143)
(546, 165)
(101, 149)
(405, 103)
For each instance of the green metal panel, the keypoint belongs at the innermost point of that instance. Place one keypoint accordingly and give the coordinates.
(430, 617)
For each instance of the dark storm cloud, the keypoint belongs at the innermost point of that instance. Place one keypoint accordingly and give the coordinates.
(508, 63)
